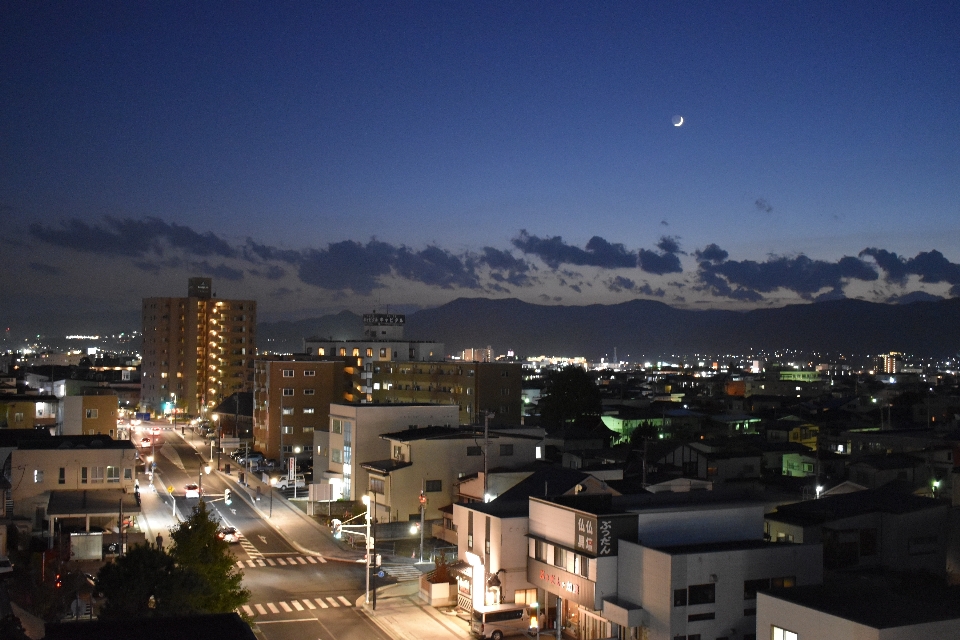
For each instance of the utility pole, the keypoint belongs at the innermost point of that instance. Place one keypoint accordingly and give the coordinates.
(486, 447)
(423, 511)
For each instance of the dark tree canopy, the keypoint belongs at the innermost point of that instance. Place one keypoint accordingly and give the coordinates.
(198, 575)
(569, 395)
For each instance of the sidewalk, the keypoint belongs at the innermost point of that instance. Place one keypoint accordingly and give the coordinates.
(156, 515)
(402, 616)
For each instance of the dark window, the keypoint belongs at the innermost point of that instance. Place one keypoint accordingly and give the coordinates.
(559, 556)
(540, 551)
(376, 485)
(701, 593)
(868, 542)
(433, 485)
(62, 479)
(679, 637)
(474, 451)
(679, 597)
(750, 587)
(695, 617)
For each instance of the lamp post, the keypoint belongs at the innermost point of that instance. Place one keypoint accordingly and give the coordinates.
(273, 481)
(369, 546)
(296, 450)
(216, 421)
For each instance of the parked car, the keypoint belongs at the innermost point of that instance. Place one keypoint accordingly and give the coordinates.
(5, 565)
(299, 482)
(268, 463)
(192, 490)
(253, 457)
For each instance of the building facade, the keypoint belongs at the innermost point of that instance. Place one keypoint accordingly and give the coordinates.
(197, 350)
(291, 402)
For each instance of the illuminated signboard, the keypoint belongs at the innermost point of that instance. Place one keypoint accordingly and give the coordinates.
(383, 319)
(598, 535)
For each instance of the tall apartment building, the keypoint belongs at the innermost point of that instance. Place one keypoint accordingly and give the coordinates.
(392, 370)
(197, 350)
(291, 400)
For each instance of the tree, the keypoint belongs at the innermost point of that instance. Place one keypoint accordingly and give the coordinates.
(138, 584)
(569, 395)
(197, 575)
(207, 559)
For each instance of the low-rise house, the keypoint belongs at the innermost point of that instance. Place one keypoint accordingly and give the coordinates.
(428, 461)
(94, 413)
(863, 607)
(877, 470)
(870, 528)
(64, 472)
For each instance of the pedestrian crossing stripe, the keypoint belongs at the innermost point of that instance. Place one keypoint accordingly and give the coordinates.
(285, 562)
(403, 571)
(299, 605)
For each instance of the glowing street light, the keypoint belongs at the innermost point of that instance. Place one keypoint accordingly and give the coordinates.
(369, 545)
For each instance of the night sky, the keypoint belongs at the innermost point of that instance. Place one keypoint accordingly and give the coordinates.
(320, 156)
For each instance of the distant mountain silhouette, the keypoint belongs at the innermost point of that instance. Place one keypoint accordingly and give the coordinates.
(649, 328)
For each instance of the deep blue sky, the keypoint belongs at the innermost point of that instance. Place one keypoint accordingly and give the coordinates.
(327, 155)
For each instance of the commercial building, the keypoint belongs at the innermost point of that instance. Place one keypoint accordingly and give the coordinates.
(197, 350)
(392, 370)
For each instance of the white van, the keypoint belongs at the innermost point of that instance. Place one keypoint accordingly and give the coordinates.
(499, 620)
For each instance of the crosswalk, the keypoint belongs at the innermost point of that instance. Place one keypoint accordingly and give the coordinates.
(289, 606)
(287, 561)
(251, 550)
(402, 572)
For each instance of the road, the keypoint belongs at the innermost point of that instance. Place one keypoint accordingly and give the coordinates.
(293, 596)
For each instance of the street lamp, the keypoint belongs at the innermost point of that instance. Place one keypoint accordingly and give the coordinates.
(369, 546)
(296, 450)
(204, 469)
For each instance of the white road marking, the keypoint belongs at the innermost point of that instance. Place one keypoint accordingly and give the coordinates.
(311, 560)
(301, 560)
(323, 605)
(282, 562)
(247, 610)
(308, 603)
(272, 607)
(263, 539)
(285, 607)
(296, 605)
(260, 609)
(343, 600)
(333, 603)
(261, 563)
(271, 562)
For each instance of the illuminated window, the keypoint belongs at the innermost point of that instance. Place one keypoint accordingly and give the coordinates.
(782, 634)
(308, 410)
(356, 352)
(92, 413)
(369, 352)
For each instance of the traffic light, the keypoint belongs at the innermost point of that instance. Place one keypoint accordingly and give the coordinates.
(226, 496)
(377, 560)
(423, 498)
(58, 582)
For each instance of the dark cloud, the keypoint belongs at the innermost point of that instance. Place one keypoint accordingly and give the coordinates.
(272, 272)
(932, 267)
(218, 271)
(131, 238)
(763, 206)
(647, 290)
(253, 250)
(659, 263)
(45, 269)
(347, 265)
(620, 283)
(711, 253)
(436, 267)
(800, 274)
(664, 262)
(504, 267)
(597, 253)
(669, 244)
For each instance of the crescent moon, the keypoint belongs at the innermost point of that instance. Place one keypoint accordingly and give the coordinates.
(677, 124)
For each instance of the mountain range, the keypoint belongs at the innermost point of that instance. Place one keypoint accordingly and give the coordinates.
(650, 329)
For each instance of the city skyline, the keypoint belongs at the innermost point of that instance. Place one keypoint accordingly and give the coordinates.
(357, 157)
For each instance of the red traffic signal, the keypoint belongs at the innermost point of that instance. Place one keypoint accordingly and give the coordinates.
(423, 499)
(58, 582)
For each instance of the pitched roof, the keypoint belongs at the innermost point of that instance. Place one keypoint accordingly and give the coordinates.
(845, 505)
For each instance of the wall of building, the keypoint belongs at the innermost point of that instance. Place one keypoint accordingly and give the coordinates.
(30, 465)
(314, 385)
(369, 422)
(90, 415)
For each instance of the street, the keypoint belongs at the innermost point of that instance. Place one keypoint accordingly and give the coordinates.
(293, 595)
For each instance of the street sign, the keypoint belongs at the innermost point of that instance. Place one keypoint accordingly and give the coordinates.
(291, 468)
(380, 574)
(370, 543)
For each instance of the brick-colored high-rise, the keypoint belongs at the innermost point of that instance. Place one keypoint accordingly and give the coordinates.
(200, 348)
